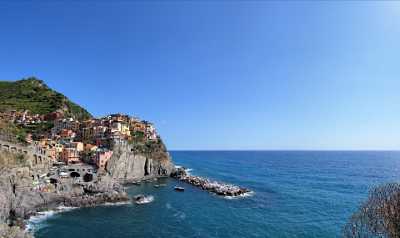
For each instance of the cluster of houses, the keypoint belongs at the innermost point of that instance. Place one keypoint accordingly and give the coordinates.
(25, 118)
(90, 141)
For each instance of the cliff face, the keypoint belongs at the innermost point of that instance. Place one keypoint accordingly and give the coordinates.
(6, 197)
(10, 196)
(19, 200)
(131, 162)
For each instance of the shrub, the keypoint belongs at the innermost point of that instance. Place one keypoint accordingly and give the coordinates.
(379, 216)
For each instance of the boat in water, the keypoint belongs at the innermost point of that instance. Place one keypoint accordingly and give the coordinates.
(180, 189)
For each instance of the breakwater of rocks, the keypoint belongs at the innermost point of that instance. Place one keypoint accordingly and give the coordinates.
(218, 188)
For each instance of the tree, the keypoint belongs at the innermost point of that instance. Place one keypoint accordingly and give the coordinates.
(379, 216)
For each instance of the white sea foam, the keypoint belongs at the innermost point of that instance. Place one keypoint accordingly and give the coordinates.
(116, 203)
(186, 169)
(244, 195)
(146, 199)
(36, 221)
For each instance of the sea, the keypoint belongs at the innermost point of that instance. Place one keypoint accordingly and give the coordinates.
(295, 194)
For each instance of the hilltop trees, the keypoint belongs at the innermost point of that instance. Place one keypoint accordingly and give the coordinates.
(379, 216)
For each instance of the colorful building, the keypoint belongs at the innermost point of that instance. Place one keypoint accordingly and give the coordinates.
(70, 155)
(102, 157)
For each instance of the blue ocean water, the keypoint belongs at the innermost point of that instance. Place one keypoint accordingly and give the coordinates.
(297, 194)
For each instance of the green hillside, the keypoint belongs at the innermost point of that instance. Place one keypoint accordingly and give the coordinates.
(34, 95)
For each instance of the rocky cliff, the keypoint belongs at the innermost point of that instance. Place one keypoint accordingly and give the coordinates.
(131, 163)
(22, 168)
(19, 199)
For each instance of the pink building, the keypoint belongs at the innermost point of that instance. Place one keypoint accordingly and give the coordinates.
(102, 158)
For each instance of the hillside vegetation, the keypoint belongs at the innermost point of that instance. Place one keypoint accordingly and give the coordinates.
(34, 95)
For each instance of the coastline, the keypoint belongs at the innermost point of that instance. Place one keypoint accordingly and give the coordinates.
(35, 220)
(20, 200)
(114, 196)
(39, 217)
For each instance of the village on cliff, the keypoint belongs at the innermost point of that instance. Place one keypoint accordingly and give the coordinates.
(71, 141)
(78, 151)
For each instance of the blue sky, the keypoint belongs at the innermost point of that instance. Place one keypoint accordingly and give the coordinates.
(220, 75)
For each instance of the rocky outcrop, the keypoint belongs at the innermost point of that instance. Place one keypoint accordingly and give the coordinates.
(6, 198)
(222, 189)
(13, 232)
(19, 200)
(136, 162)
(20, 197)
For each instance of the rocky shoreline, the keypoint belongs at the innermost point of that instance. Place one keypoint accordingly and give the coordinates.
(28, 189)
(19, 200)
(222, 189)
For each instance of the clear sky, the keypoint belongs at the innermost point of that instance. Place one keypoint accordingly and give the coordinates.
(220, 75)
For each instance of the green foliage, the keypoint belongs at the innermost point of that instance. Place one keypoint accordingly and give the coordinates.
(20, 159)
(379, 216)
(11, 132)
(38, 129)
(34, 95)
(20, 135)
(138, 136)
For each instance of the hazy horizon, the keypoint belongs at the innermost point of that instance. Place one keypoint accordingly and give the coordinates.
(220, 75)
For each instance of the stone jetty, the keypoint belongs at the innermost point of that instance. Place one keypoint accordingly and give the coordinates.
(218, 188)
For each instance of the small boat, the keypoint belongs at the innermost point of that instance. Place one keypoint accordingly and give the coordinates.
(156, 186)
(180, 189)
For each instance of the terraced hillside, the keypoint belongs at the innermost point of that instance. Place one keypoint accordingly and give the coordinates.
(34, 95)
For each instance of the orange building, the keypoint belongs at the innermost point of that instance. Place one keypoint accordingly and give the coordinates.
(138, 126)
(70, 155)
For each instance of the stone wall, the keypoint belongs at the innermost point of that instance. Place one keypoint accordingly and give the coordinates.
(35, 155)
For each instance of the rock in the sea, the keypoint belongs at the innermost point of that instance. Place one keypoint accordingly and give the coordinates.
(218, 188)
